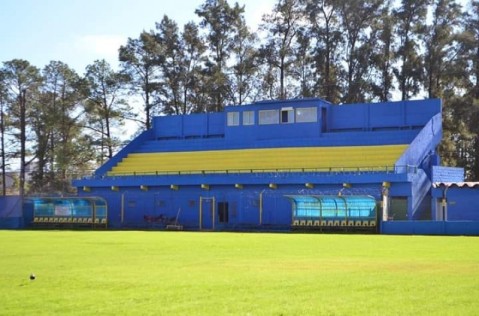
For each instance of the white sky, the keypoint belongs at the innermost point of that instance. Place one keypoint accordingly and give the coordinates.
(78, 32)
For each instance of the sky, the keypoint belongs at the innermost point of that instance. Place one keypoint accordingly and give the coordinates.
(78, 32)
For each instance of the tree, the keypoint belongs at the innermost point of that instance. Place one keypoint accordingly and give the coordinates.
(194, 96)
(3, 122)
(61, 148)
(140, 59)
(303, 70)
(106, 106)
(325, 29)
(282, 27)
(171, 86)
(410, 32)
(245, 64)
(218, 20)
(441, 46)
(21, 81)
(464, 129)
(383, 54)
(357, 18)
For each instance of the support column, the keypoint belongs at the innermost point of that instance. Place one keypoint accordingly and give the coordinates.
(385, 202)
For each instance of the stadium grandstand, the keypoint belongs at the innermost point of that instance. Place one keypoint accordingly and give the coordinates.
(302, 164)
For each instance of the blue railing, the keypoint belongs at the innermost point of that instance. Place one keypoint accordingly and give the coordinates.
(268, 172)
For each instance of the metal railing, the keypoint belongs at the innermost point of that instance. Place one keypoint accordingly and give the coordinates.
(267, 172)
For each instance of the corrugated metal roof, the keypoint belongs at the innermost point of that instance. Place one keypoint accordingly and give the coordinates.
(455, 184)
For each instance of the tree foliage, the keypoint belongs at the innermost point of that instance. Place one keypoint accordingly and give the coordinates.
(338, 50)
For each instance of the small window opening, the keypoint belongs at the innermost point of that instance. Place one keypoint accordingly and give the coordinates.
(287, 116)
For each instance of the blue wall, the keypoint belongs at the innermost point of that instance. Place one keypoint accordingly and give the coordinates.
(462, 203)
(386, 115)
(379, 123)
(469, 228)
(424, 144)
(192, 125)
(447, 174)
(160, 204)
(11, 214)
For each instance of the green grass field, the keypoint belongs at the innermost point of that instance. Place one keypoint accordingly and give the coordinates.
(182, 273)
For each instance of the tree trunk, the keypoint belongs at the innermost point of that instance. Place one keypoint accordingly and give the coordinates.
(23, 138)
(2, 140)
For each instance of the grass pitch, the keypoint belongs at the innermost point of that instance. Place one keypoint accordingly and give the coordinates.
(181, 273)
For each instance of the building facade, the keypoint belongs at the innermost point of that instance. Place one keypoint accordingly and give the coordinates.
(293, 164)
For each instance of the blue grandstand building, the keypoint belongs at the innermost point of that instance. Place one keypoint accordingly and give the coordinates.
(305, 165)
(294, 164)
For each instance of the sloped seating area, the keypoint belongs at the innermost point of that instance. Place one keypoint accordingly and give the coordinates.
(346, 158)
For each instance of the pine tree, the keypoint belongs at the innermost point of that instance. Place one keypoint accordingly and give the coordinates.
(218, 21)
(140, 59)
(410, 31)
(281, 27)
(21, 81)
(324, 29)
(106, 106)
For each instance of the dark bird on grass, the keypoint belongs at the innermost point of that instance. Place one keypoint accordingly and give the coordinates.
(32, 277)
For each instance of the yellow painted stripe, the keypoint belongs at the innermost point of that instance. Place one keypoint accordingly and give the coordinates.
(309, 158)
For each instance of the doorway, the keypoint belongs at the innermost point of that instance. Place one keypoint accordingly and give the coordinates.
(207, 213)
(223, 215)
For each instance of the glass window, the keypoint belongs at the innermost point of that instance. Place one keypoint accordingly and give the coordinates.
(233, 119)
(268, 117)
(287, 115)
(248, 118)
(305, 115)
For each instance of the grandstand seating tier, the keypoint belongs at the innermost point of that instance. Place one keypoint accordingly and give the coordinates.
(284, 159)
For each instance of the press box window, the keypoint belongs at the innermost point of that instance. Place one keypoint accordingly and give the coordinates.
(287, 115)
(248, 118)
(268, 117)
(233, 119)
(306, 115)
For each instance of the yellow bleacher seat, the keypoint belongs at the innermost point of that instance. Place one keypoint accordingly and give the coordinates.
(365, 223)
(372, 223)
(343, 223)
(35, 219)
(295, 222)
(103, 221)
(317, 223)
(336, 223)
(97, 220)
(309, 223)
(358, 223)
(305, 158)
(302, 222)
